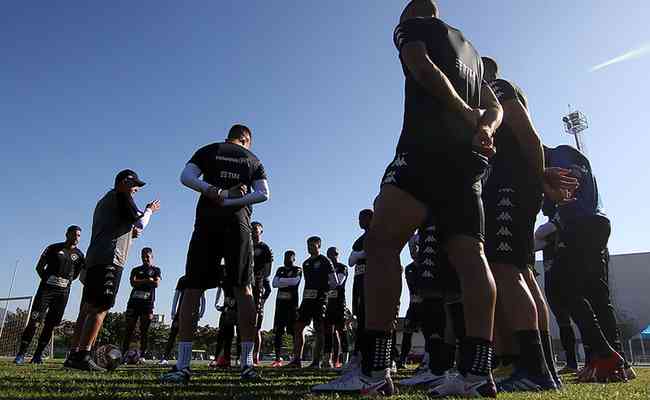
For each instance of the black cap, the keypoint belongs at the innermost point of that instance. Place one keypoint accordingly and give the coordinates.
(128, 174)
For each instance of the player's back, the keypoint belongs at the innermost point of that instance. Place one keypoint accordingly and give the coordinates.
(425, 117)
(225, 165)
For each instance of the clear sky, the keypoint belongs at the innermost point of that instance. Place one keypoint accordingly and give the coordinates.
(89, 88)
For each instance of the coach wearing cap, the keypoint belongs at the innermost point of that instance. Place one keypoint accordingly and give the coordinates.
(116, 222)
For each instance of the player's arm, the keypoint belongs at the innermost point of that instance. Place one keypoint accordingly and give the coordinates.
(41, 265)
(416, 58)
(332, 278)
(79, 266)
(520, 123)
(342, 277)
(259, 193)
(410, 280)
(202, 305)
(490, 121)
(177, 294)
(135, 281)
(217, 298)
(155, 282)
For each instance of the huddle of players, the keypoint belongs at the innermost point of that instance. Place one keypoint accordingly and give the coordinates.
(470, 162)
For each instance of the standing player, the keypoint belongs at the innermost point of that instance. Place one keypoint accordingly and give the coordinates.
(335, 315)
(580, 271)
(512, 197)
(116, 222)
(59, 265)
(449, 120)
(144, 280)
(358, 261)
(173, 330)
(320, 277)
(287, 279)
(262, 262)
(233, 180)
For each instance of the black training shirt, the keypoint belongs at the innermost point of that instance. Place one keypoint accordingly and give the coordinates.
(225, 165)
(288, 294)
(316, 271)
(428, 125)
(144, 292)
(59, 262)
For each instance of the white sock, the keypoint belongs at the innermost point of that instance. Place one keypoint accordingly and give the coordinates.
(246, 358)
(184, 355)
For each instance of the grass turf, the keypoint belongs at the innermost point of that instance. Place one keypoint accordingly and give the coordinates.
(51, 381)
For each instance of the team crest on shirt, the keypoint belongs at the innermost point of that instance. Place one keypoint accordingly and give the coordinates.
(74, 257)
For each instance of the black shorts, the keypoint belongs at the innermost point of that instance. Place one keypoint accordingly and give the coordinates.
(102, 284)
(335, 314)
(49, 304)
(138, 308)
(449, 186)
(285, 316)
(209, 246)
(420, 316)
(510, 214)
(312, 310)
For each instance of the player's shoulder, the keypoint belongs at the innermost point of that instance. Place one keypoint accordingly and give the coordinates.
(55, 247)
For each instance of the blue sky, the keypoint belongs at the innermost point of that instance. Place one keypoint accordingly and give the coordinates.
(88, 89)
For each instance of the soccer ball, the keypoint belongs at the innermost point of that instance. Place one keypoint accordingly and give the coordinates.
(108, 356)
(132, 357)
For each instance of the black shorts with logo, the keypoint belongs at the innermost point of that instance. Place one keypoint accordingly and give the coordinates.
(449, 186)
(102, 284)
(312, 309)
(49, 304)
(510, 214)
(285, 316)
(210, 246)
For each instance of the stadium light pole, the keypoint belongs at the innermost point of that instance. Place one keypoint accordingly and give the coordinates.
(11, 288)
(575, 123)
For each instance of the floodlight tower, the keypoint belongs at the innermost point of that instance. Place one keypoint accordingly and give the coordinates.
(575, 123)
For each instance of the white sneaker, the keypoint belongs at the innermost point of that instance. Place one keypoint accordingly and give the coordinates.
(460, 386)
(356, 383)
(424, 377)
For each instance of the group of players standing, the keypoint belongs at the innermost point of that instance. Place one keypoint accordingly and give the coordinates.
(474, 209)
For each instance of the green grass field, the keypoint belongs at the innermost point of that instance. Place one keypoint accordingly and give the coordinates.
(51, 381)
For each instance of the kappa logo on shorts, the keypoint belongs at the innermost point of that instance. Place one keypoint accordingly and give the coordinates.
(427, 274)
(400, 161)
(561, 245)
(429, 262)
(504, 247)
(504, 232)
(429, 250)
(505, 216)
(505, 202)
(506, 190)
(389, 178)
(430, 239)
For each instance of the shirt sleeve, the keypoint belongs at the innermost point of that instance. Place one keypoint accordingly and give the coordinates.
(259, 173)
(409, 31)
(127, 207)
(200, 158)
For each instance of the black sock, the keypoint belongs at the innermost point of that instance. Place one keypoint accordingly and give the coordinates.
(547, 347)
(40, 347)
(81, 354)
(531, 355)
(568, 339)
(475, 356)
(375, 353)
(24, 345)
